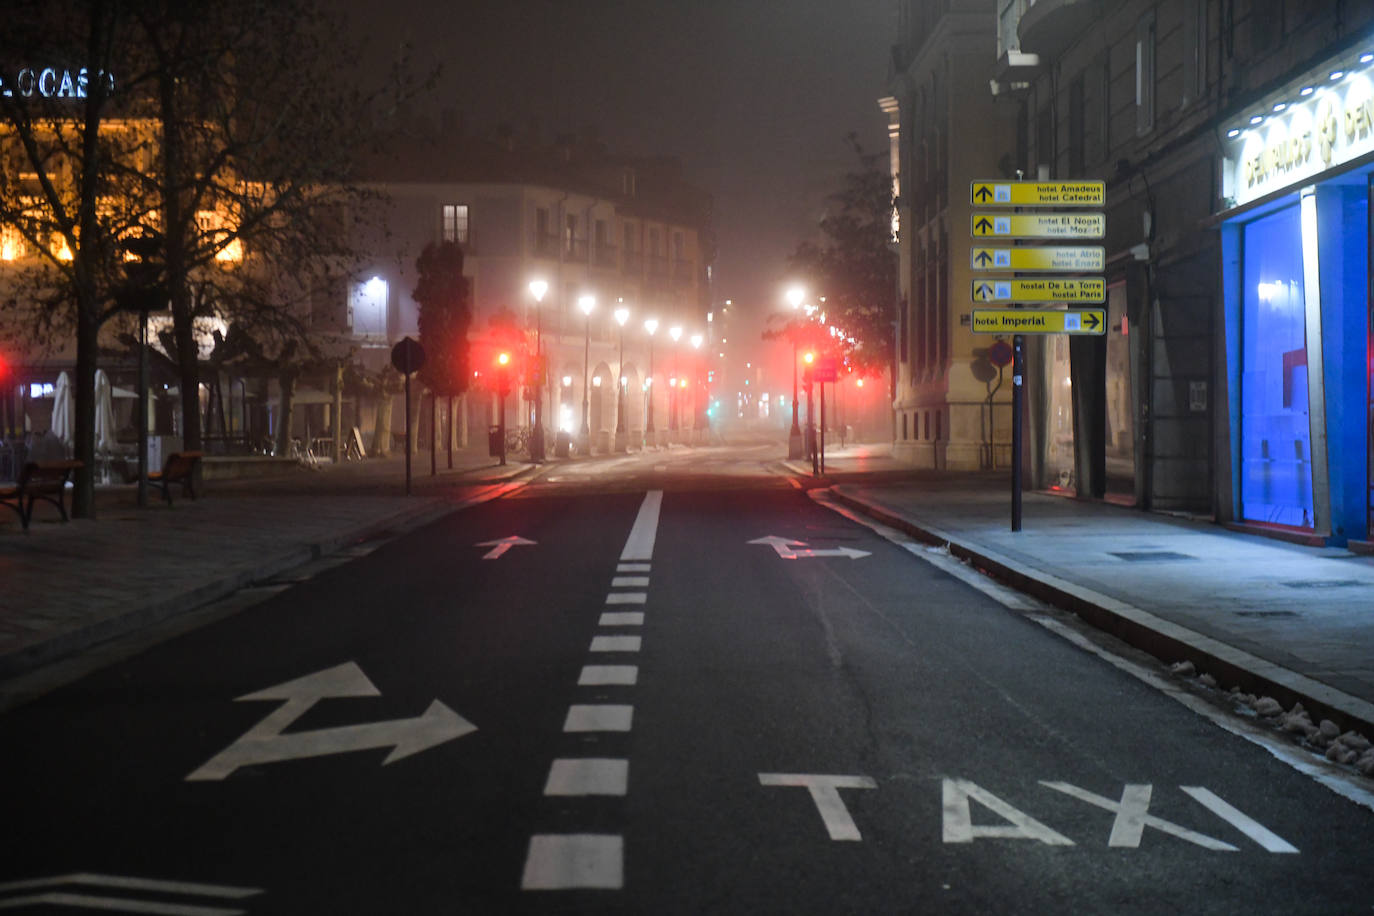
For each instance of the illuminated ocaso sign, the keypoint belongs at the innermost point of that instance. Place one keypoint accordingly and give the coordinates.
(52, 83)
(1332, 126)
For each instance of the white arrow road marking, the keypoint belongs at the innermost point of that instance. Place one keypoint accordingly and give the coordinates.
(784, 548)
(123, 904)
(118, 904)
(499, 547)
(825, 793)
(265, 743)
(1132, 817)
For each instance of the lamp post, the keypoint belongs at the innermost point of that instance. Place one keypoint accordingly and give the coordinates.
(586, 303)
(794, 437)
(696, 340)
(674, 332)
(650, 326)
(622, 315)
(538, 289)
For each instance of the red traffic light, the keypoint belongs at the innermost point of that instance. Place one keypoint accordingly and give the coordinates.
(503, 359)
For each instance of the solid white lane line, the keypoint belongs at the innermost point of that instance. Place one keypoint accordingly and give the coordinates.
(1271, 841)
(608, 717)
(632, 567)
(640, 544)
(615, 644)
(626, 597)
(588, 776)
(608, 675)
(630, 582)
(572, 860)
(621, 619)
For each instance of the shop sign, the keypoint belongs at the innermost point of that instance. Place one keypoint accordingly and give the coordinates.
(51, 83)
(1332, 126)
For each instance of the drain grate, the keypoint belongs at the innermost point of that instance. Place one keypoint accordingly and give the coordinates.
(1266, 614)
(1151, 556)
(1323, 583)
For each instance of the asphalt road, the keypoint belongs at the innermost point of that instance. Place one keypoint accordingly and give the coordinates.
(644, 712)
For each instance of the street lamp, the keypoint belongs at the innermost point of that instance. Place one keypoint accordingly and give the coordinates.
(538, 289)
(674, 332)
(586, 303)
(696, 340)
(650, 325)
(622, 315)
(794, 297)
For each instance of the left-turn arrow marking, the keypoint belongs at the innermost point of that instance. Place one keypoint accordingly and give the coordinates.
(499, 547)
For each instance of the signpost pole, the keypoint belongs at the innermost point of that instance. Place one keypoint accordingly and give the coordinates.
(143, 408)
(822, 429)
(409, 433)
(1018, 395)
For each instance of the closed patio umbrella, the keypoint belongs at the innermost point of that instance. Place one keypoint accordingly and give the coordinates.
(104, 413)
(62, 419)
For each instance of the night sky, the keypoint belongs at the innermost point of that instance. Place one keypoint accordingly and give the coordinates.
(755, 97)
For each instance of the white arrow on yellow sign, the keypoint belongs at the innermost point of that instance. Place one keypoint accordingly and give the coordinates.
(1041, 289)
(1071, 258)
(1039, 321)
(1040, 225)
(993, 193)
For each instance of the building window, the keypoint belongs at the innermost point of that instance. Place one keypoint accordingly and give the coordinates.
(454, 223)
(1276, 446)
(1145, 75)
(367, 308)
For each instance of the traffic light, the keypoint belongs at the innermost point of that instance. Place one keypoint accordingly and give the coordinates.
(503, 372)
(808, 357)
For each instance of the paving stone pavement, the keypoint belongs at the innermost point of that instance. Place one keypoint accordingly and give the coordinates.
(64, 587)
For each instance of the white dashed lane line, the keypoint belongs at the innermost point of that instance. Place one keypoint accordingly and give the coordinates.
(569, 861)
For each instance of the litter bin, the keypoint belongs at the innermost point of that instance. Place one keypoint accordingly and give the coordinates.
(494, 441)
(562, 444)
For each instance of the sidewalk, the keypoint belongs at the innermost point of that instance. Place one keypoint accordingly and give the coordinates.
(1275, 619)
(65, 587)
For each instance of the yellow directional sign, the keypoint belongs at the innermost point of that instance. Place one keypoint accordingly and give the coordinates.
(1081, 259)
(1039, 321)
(1041, 289)
(993, 193)
(1040, 225)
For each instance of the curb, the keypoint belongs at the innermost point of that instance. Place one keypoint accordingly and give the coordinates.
(131, 619)
(1167, 641)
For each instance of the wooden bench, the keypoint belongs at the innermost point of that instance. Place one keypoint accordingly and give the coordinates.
(46, 480)
(180, 467)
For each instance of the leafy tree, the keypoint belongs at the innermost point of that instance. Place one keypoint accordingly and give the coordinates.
(853, 265)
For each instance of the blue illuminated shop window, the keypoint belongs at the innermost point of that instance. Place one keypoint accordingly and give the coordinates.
(1276, 448)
